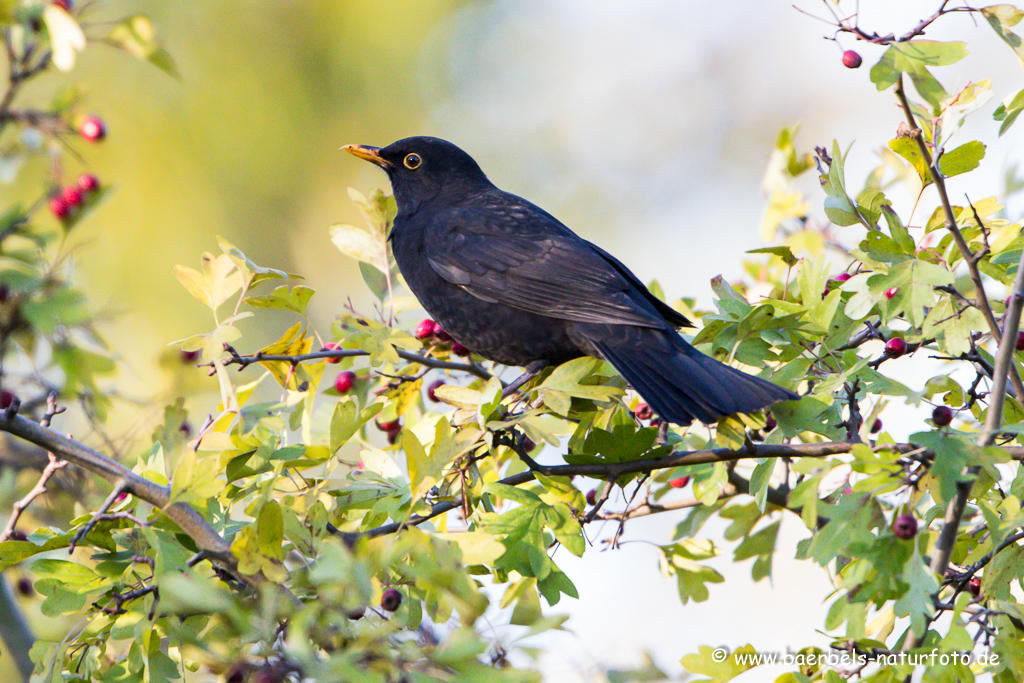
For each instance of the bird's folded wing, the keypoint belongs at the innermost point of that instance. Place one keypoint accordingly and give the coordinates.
(536, 265)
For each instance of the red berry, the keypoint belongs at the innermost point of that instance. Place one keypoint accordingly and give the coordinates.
(389, 426)
(891, 292)
(393, 435)
(592, 497)
(425, 330)
(5, 293)
(643, 411)
(942, 415)
(59, 207)
(441, 335)
(895, 347)
(432, 388)
(87, 183)
(460, 350)
(528, 444)
(26, 590)
(905, 526)
(16, 535)
(190, 356)
(681, 482)
(391, 600)
(6, 399)
(851, 60)
(770, 423)
(331, 346)
(121, 496)
(72, 197)
(92, 129)
(974, 585)
(842, 277)
(63, 4)
(343, 382)
(1020, 340)
(876, 426)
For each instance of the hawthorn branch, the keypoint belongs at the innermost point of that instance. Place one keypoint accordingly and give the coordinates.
(39, 489)
(971, 259)
(426, 361)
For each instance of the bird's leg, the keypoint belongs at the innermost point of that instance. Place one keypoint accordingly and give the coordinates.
(531, 371)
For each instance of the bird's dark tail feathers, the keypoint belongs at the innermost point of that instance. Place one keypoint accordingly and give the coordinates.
(680, 383)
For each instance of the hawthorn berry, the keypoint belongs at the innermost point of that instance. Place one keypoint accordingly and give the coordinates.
(331, 346)
(72, 197)
(895, 347)
(851, 60)
(434, 387)
(391, 600)
(891, 292)
(190, 356)
(592, 497)
(425, 330)
(440, 335)
(16, 535)
(343, 382)
(770, 423)
(1020, 340)
(6, 399)
(92, 129)
(460, 350)
(388, 426)
(25, 587)
(876, 426)
(528, 444)
(63, 4)
(643, 411)
(974, 585)
(681, 482)
(393, 435)
(59, 207)
(942, 415)
(905, 526)
(87, 182)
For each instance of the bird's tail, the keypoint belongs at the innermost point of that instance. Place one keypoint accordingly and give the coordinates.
(680, 383)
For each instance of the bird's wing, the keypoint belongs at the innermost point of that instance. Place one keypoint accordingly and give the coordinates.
(519, 255)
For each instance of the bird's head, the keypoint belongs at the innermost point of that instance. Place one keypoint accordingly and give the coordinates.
(422, 168)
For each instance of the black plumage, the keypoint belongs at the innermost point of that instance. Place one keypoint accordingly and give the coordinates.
(509, 281)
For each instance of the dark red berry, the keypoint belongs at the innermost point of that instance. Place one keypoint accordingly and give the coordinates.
(425, 330)
(88, 183)
(356, 614)
(895, 347)
(460, 350)
(393, 435)
(63, 4)
(235, 675)
(331, 346)
(842, 277)
(905, 526)
(974, 585)
(190, 356)
(440, 335)
(72, 197)
(59, 207)
(770, 423)
(876, 426)
(1020, 340)
(391, 600)
(6, 399)
(643, 411)
(185, 429)
(343, 382)
(388, 426)
(16, 535)
(5, 293)
(681, 482)
(942, 415)
(25, 588)
(851, 60)
(891, 292)
(592, 497)
(92, 129)
(434, 387)
(528, 444)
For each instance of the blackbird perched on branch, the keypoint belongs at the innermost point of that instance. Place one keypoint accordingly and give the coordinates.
(508, 280)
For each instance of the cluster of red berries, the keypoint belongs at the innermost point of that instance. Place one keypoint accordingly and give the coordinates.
(73, 197)
(428, 329)
(393, 429)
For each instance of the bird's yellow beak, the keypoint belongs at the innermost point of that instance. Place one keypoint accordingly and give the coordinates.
(371, 154)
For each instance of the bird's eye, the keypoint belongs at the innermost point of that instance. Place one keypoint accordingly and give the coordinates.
(412, 161)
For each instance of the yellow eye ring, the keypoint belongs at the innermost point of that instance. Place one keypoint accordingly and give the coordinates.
(412, 161)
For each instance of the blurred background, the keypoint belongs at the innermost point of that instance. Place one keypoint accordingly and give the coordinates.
(645, 126)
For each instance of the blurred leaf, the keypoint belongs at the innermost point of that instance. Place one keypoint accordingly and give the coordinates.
(1001, 18)
(360, 245)
(136, 36)
(1009, 110)
(66, 37)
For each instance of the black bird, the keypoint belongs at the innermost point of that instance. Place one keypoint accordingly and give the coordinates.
(508, 280)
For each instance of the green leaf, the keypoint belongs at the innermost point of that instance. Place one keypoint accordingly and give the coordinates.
(360, 245)
(912, 57)
(284, 298)
(348, 419)
(1009, 110)
(1001, 18)
(136, 36)
(709, 662)
(964, 158)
